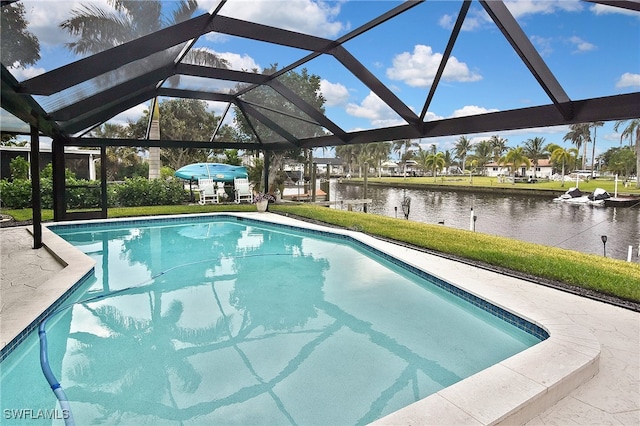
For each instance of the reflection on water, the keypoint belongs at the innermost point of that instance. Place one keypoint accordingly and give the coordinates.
(227, 323)
(533, 219)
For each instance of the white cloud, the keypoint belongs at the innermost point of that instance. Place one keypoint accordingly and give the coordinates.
(628, 80)
(581, 45)
(22, 74)
(432, 116)
(521, 8)
(376, 111)
(418, 69)
(240, 62)
(305, 16)
(334, 93)
(475, 19)
(472, 110)
(601, 9)
(132, 114)
(542, 44)
(45, 21)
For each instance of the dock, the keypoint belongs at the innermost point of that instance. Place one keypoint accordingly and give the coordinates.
(622, 202)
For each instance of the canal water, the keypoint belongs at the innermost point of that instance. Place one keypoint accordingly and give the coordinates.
(528, 218)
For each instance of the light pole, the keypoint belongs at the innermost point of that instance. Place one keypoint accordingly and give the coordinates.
(604, 245)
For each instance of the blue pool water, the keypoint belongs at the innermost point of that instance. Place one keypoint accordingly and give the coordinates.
(228, 321)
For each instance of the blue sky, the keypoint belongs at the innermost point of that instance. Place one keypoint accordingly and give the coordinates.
(593, 50)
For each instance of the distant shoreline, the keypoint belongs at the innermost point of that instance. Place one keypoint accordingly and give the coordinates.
(461, 188)
(538, 192)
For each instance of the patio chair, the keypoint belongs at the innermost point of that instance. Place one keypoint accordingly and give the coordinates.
(242, 189)
(208, 192)
(220, 191)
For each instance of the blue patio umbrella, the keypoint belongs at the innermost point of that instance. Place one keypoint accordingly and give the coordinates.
(217, 171)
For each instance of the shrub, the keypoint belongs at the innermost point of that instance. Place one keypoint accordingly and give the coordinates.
(84, 194)
(166, 172)
(16, 194)
(142, 192)
(19, 168)
(46, 193)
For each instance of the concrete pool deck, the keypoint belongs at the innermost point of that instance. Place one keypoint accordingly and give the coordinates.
(587, 372)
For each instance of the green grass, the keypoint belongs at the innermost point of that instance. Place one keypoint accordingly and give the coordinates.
(604, 275)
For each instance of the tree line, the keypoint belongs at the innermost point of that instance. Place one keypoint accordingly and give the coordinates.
(472, 157)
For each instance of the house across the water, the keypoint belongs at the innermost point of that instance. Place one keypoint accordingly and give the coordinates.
(543, 170)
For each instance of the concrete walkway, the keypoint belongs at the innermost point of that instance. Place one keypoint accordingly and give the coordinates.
(612, 397)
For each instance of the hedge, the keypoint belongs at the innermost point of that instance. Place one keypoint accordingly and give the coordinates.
(82, 194)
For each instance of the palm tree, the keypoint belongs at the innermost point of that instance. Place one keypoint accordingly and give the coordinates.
(462, 148)
(566, 157)
(435, 162)
(534, 148)
(347, 153)
(580, 136)
(379, 152)
(483, 153)
(499, 146)
(549, 149)
(98, 29)
(448, 160)
(404, 146)
(633, 127)
(119, 158)
(594, 125)
(516, 157)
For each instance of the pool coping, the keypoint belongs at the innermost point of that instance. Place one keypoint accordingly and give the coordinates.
(510, 392)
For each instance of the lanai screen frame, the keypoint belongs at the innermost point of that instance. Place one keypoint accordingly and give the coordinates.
(78, 118)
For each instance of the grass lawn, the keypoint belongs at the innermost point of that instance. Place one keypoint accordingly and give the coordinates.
(609, 276)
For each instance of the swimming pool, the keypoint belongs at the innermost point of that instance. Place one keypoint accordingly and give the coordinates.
(231, 321)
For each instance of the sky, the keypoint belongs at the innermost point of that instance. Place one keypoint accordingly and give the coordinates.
(593, 50)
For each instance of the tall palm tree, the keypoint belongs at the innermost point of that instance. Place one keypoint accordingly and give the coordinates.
(534, 149)
(499, 146)
(594, 125)
(379, 152)
(564, 156)
(580, 136)
(632, 128)
(347, 154)
(98, 29)
(448, 160)
(483, 153)
(461, 149)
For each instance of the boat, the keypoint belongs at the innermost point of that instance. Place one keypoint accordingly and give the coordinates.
(598, 197)
(575, 196)
(219, 172)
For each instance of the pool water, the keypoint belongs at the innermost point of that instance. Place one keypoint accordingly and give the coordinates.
(227, 321)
